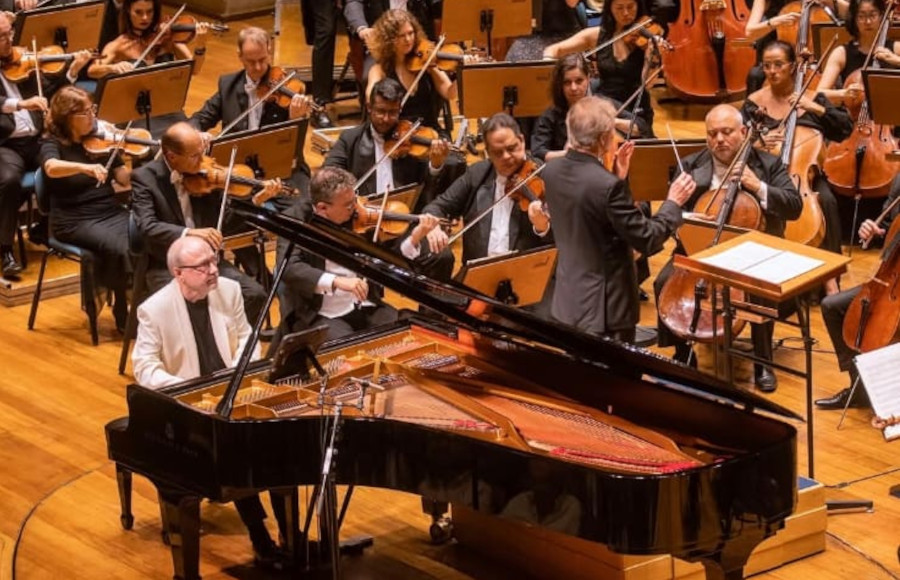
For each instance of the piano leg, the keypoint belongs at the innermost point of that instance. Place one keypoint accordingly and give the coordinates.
(728, 564)
(182, 514)
(293, 539)
(441, 528)
(123, 478)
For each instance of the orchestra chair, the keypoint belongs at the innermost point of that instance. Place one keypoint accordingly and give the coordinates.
(27, 197)
(84, 257)
(138, 287)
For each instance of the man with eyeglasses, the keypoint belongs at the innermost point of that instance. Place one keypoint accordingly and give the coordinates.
(21, 122)
(192, 327)
(359, 148)
(165, 211)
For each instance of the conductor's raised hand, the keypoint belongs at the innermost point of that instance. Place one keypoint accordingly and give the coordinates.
(681, 189)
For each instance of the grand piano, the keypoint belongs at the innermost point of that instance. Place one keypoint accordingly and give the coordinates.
(473, 403)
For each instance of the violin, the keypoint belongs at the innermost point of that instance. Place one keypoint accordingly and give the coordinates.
(531, 191)
(644, 35)
(448, 58)
(21, 62)
(395, 219)
(212, 177)
(282, 97)
(184, 28)
(107, 137)
(419, 143)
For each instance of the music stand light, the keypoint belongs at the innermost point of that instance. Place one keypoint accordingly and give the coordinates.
(518, 278)
(71, 26)
(482, 20)
(653, 164)
(155, 90)
(521, 89)
(269, 150)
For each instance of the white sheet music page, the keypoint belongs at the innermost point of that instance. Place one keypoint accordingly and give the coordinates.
(763, 262)
(878, 371)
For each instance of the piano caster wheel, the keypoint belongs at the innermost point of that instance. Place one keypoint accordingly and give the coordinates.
(165, 538)
(441, 530)
(127, 521)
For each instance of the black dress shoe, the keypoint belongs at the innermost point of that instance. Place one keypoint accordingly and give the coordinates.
(11, 268)
(643, 295)
(321, 120)
(765, 379)
(839, 400)
(272, 558)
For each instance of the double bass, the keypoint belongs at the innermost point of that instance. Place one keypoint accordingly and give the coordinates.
(712, 54)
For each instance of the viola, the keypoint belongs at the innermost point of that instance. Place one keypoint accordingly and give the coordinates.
(184, 28)
(395, 219)
(644, 35)
(282, 97)
(107, 137)
(21, 62)
(418, 145)
(212, 177)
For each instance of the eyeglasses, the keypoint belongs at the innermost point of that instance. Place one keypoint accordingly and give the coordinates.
(774, 65)
(870, 16)
(203, 267)
(385, 113)
(91, 112)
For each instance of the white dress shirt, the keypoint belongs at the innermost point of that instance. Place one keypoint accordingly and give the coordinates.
(384, 174)
(336, 303)
(498, 243)
(24, 124)
(255, 116)
(184, 200)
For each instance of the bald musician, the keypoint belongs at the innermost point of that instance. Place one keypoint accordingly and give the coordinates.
(597, 226)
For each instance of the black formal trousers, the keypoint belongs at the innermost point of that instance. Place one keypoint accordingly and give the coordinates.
(324, 19)
(834, 309)
(16, 157)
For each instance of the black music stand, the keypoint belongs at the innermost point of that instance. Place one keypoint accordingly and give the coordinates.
(482, 20)
(155, 90)
(406, 194)
(653, 165)
(269, 150)
(882, 92)
(521, 89)
(518, 278)
(296, 354)
(72, 26)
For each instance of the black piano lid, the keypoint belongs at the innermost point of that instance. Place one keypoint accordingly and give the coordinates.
(460, 303)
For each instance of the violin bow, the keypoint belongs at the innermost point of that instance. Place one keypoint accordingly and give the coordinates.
(643, 87)
(37, 67)
(258, 103)
(881, 216)
(675, 148)
(117, 146)
(642, 24)
(509, 193)
(384, 198)
(428, 61)
(159, 35)
(225, 191)
(387, 154)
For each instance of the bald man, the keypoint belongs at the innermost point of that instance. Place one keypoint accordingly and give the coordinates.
(766, 179)
(165, 211)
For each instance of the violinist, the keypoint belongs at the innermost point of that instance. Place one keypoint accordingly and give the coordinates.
(83, 210)
(358, 149)
(767, 180)
(623, 65)
(21, 122)
(240, 90)
(165, 210)
(835, 307)
(773, 101)
(597, 226)
(395, 41)
(140, 21)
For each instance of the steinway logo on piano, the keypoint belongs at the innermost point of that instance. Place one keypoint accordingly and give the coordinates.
(167, 439)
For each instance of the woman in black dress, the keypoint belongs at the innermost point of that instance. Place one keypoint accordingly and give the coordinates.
(82, 212)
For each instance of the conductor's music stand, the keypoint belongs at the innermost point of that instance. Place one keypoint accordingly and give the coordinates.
(406, 194)
(72, 26)
(518, 278)
(158, 89)
(653, 164)
(520, 89)
(482, 20)
(697, 235)
(269, 150)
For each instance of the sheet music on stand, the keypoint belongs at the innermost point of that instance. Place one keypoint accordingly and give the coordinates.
(763, 262)
(878, 373)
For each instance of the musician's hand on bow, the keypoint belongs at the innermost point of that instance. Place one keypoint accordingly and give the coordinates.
(94, 170)
(750, 181)
(427, 222)
(538, 216)
(773, 140)
(437, 240)
(271, 188)
(355, 286)
(121, 67)
(681, 189)
(300, 106)
(438, 152)
(868, 231)
(367, 35)
(34, 104)
(887, 56)
(623, 159)
(211, 236)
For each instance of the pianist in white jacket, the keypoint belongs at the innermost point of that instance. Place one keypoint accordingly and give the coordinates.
(193, 326)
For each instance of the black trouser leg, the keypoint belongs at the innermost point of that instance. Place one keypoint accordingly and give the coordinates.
(324, 13)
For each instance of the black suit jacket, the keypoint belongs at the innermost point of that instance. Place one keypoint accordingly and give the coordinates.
(28, 89)
(364, 13)
(231, 100)
(596, 225)
(784, 202)
(471, 195)
(158, 214)
(299, 301)
(355, 152)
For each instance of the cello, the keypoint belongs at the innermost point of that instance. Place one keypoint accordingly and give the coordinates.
(712, 54)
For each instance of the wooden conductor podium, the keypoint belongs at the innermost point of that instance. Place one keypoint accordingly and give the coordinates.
(774, 269)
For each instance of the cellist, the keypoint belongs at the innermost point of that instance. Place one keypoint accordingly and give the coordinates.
(764, 177)
(834, 309)
(775, 100)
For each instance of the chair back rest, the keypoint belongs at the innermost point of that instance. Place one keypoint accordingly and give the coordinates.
(40, 192)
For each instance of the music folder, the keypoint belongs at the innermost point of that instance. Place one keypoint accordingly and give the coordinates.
(269, 150)
(518, 278)
(72, 26)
